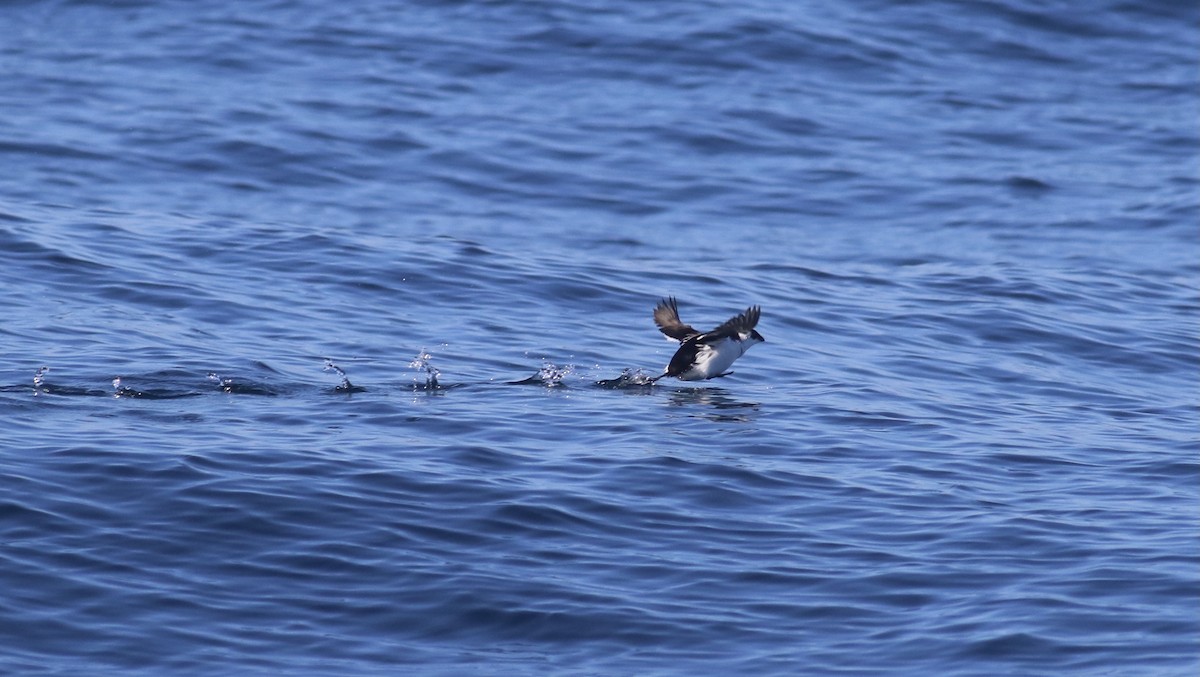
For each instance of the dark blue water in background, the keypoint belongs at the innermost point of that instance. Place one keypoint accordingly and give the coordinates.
(968, 447)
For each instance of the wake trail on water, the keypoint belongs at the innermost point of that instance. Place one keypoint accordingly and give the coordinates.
(168, 385)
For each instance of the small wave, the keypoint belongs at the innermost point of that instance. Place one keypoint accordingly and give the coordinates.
(235, 387)
(1027, 184)
(161, 385)
(42, 386)
(120, 390)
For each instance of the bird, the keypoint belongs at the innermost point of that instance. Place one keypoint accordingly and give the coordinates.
(705, 355)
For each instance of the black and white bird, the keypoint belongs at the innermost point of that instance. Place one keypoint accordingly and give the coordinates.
(704, 355)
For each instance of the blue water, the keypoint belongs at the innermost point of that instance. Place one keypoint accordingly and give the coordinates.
(325, 327)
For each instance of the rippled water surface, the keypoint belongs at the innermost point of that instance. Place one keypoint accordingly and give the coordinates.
(327, 330)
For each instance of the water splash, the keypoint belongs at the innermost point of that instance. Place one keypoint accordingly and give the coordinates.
(345, 386)
(550, 375)
(39, 380)
(226, 384)
(421, 363)
(120, 390)
(629, 378)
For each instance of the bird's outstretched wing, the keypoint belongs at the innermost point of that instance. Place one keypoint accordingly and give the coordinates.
(738, 324)
(666, 316)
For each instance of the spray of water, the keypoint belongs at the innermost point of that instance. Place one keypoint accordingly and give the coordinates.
(226, 384)
(552, 375)
(422, 365)
(345, 385)
(39, 379)
(629, 378)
